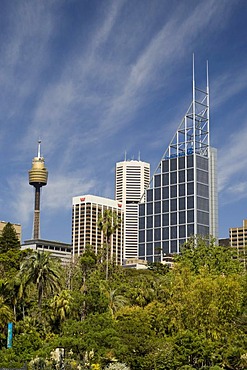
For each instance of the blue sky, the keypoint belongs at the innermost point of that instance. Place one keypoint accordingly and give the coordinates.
(96, 78)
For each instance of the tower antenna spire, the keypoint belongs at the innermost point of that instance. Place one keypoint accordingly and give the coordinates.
(39, 148)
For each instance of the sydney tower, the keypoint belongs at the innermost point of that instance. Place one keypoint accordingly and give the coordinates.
(37, 177)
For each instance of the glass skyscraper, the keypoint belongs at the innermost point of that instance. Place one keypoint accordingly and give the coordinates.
(181, 199)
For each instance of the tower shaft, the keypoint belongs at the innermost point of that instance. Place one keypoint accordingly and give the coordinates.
(36, 216)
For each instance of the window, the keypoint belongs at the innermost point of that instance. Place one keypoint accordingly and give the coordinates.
(173, 164)
(157, 221)
(149, 235)
(141, 236)
(165, 166)
(190, 161)
(181, 203)
(165, 205)
(202, 204)
(190, 230)
(157, 207)
(173, 204)
(165, 233)
(202, 176)
(165, 179)
(165, 247)
(157, 194)
(142, 249)
(190, 174)
(173, 246)
(182, 217)
(157, 234)
(173, 177)
(190, 188)
(165, 193)
(149, 248)
(190, 202)
(149, 195)
(173, 218)
(142, 222)
(174, 191)
(165, 219)
(202, 190)
(181, 162)
(190, 216)
(181, 176)
(202, 162)
(182, 231)
(157, 180)
(182, 190)
(149, 208)
(173, 232)
(203, 230)
(203, 218)
(149, 222)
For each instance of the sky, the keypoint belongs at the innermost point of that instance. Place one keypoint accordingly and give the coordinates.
(94, 79)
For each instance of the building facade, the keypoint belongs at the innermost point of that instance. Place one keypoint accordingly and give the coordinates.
(85, 231)
(57, 249)
(238, 237)
(131, 180)
(181, 200)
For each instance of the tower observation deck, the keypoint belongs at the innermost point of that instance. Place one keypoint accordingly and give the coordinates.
(38, 176)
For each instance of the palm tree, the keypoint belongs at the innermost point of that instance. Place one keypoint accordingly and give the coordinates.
(115, 301)
(6, 313)
(61, 305)
(42, 270)
(108, 223)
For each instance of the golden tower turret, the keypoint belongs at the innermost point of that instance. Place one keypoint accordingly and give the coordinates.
(38, 176)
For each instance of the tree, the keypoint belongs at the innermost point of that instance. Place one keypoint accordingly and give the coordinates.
(108, 223)
(10, 253)
(61, 306)
(9, 239)
(39, 268)
(6, 313)
(198, 253)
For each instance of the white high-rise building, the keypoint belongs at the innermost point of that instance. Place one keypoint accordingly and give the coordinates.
(85, 231)
(132, 178)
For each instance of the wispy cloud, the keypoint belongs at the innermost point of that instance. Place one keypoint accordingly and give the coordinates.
(233, 161)
(228, 85)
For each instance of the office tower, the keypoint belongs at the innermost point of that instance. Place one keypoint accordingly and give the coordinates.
(131, 180)
(85, 232)
(238, 240)
(37, 178)
(181, 200)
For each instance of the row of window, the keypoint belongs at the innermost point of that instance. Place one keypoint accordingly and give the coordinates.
(176, 204)
(175, 191)
(181, 176)
(173, 218)
(171, 232)
(183, 162)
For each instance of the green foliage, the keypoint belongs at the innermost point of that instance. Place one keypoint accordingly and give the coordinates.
(43, 271)
(193, 316)
(158, 267)
(198, 253)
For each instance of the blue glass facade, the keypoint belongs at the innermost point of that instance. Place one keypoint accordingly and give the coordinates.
(177, 206)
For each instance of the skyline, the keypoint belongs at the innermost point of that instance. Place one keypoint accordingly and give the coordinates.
(94, 80)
